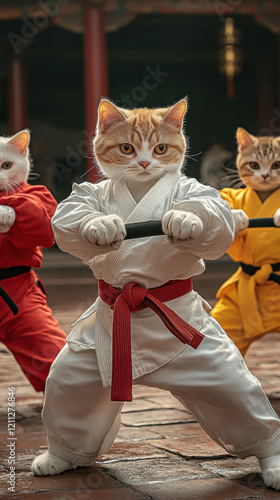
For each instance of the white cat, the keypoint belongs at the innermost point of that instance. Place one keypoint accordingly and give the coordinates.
(15, 167)
(35, 338)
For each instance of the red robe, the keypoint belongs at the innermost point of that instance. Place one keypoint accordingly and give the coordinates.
(33, 335)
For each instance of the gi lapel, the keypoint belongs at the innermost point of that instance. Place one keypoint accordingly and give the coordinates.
(131, 212)
(136, 212)
(268, 208)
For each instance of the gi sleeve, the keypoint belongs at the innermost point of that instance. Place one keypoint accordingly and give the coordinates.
(235, 199)
(34, 207)
(84, 203)
(206, 203)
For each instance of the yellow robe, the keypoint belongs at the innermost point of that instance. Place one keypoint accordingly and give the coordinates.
(249, 306)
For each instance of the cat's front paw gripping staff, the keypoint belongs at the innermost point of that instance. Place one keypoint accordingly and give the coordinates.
(104, 230)
(7, 218)
(179, 225)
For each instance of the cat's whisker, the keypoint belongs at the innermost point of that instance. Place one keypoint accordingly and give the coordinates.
(96, 166)
(11, 186)
(230, 172)
(191, 156)
(232, 177)
(236, 183)
(230, 168)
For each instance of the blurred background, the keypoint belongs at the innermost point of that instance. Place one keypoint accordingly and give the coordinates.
(58, 57)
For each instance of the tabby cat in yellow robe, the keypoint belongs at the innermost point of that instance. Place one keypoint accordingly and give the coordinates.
(248, 305)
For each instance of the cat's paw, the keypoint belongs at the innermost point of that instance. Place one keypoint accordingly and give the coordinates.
(180, 225)
(241, 220)
(104, 230)
(48, 464)
(7, 218)
(270, 467)
(276, 217)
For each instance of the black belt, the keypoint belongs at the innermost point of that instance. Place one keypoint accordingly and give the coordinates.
(251, 270)
(10, 272)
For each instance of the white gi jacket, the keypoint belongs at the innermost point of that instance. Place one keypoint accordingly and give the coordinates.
(150, 262)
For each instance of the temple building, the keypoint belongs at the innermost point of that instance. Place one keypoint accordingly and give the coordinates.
(58, 57)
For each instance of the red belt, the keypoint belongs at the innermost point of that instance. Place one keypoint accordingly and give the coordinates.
(134, 298)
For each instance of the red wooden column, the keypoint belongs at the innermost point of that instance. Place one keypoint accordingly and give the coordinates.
(17, 100)
(95, 70)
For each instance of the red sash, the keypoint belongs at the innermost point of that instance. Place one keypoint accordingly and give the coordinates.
(134, 298)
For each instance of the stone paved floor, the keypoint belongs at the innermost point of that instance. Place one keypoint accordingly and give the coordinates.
(161, 453)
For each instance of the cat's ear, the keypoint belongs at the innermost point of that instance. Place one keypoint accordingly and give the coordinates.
(175, 115)
(20, 141)
(109, 114)
(244, 139)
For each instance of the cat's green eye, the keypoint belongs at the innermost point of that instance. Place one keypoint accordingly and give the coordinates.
(160, 149)
(275, 165)
(6, 165)
(254, 165)
(126, 148)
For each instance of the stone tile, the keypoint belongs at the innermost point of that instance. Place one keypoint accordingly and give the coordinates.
(130, 451)
(93, 478)
(139, 404)
(162, 401)
(233, 468)
(133, 434)
(151, 471)
(275, 403)
(246, 472)
(199, 445)
(200, 489)
(24, 459)
(166, 401)
(156, 417)
(121, 493)
(29, 425)
(182, 431)
(27, 441)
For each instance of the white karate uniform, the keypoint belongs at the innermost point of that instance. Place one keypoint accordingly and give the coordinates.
(212, 381)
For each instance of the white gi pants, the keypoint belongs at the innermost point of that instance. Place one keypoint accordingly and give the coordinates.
(213, 382)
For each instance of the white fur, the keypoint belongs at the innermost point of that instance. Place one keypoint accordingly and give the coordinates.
(104, 230)
(18, 173)
(277, 217)
(7, 218)
(48, 464)
(180, 225)
(241, 220)
(270, 467)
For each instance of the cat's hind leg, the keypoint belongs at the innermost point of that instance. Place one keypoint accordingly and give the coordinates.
(49, 464)
(79, 417)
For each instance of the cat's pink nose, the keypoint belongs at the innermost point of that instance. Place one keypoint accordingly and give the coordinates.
(144, 164)
(265, 176)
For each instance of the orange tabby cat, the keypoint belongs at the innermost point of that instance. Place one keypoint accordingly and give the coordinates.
(248, 305)
(148, 326)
